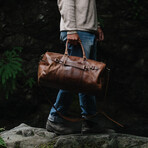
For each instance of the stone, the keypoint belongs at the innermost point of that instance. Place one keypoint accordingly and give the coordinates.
(102, 141)
(24, 136)
(34, 26)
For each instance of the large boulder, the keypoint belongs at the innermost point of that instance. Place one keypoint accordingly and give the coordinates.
(25, 136)
(34, 27)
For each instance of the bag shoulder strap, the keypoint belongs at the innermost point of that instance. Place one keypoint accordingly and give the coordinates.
(88, 117)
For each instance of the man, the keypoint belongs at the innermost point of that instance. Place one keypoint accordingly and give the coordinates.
(78, 23)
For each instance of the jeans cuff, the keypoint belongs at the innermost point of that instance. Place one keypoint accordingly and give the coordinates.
(93, 118)
(55, 118)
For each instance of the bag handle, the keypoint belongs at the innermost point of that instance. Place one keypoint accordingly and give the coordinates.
(83, 51)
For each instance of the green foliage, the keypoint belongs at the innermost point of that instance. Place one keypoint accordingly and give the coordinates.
(2, 143)
(101, 21)
(11, 72)
(30, 82)
(48, 145)
(10, 67)
(2, 129)
(135, 9)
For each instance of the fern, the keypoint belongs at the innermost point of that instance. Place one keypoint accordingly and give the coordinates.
(30, 82)
(10, 67)
(2, 143)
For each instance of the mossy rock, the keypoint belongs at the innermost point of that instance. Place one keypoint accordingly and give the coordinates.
(47, 145)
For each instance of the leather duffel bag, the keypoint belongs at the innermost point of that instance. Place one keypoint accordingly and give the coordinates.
(77, 74)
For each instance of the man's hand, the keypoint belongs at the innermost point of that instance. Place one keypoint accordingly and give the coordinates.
(100, 35)
(73, 38)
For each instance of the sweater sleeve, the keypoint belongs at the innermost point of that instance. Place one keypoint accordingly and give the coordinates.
(68, 14)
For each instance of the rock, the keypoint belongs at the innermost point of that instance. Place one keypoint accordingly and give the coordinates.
(34, 26)
(25, 136)
(101, 141)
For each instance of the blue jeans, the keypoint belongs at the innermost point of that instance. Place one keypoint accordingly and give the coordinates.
(64, 97)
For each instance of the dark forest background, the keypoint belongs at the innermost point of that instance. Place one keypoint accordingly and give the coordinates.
(29, 28)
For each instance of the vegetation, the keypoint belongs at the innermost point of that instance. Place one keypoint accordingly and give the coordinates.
(30, 82)
(10, 69)
(2, 143)
(2, 129)
(101, 21)
(48, 145)
(135, 9)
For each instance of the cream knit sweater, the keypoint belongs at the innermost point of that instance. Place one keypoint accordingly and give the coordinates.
(78, 15)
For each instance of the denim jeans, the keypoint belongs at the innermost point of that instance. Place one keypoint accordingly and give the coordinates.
(64, 97)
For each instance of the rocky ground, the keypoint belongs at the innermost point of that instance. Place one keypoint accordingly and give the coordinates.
(24, 136)
(34, 26)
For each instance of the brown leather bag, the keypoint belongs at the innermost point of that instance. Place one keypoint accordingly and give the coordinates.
(77, 74)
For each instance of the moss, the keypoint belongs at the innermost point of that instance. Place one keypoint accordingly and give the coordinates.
(17, 144)
(47, 145)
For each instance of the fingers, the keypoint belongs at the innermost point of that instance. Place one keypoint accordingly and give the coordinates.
(73, 39)
(101, 36)
(73, 42)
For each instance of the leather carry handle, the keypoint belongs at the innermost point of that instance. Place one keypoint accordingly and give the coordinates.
(83, 51)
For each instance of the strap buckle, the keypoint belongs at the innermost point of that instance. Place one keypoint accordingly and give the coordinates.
(86, 68)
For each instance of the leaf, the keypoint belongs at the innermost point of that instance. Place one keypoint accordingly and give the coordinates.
(13, 84)
(2, 143)
(1, 70)
(17, 59)
(10, 71)
(2, 129)
(7, 94)
(3, 79)
(30, 82)
(16, 65)
(10, 67)
(6, 73)
(14, 75)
